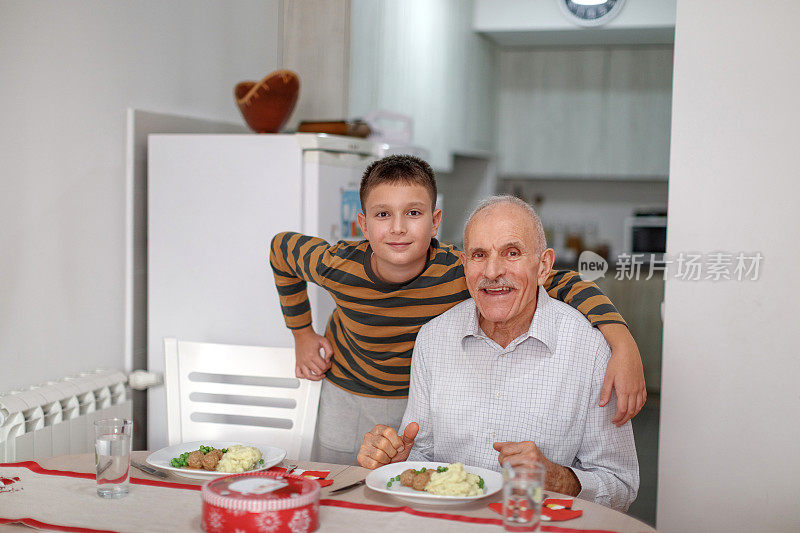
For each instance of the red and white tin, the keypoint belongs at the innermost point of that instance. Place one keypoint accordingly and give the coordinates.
(261, 501)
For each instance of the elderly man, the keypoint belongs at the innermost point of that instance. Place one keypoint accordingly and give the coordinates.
(512, 375)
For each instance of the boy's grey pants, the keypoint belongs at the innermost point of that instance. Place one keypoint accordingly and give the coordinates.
(343, 419)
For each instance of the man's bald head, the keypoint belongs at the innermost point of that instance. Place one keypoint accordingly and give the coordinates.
(496, 203)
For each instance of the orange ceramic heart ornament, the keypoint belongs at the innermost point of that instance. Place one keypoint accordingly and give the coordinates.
(267, 105)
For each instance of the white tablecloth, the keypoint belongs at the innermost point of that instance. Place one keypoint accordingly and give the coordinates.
(67, 497)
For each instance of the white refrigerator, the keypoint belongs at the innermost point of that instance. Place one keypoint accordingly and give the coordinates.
(214, 204)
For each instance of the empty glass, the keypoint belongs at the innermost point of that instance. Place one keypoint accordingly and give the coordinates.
(522, 496)
(112, 453)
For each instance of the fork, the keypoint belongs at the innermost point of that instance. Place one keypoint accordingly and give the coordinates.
(290, 469)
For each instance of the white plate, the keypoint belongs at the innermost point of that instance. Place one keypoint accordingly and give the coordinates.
(162, 457)
(377, 479)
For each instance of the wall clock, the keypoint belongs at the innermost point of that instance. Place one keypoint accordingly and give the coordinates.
(590, 12)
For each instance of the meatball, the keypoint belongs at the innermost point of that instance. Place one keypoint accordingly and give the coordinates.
(421, 480)
(210, 461)
(407, 478)
(218, 453)
(195, 459)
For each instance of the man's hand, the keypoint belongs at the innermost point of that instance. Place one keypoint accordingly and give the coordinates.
(383, 445)
(517, 453)
(556, 477)
(624, 373)
(308, 350)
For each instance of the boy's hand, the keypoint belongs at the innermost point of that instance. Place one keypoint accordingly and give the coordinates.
(383, 445)
(312, 354)
(624, 373)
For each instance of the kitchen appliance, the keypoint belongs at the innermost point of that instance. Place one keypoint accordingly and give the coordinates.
(646, 233)
(214, 204)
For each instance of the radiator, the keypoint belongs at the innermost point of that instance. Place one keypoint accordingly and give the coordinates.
(57, 417)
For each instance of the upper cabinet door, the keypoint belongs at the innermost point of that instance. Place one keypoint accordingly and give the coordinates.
(585, 113)
(423, 59)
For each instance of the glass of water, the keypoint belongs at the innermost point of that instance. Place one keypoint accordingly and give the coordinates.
(522, 496)
(112, 453)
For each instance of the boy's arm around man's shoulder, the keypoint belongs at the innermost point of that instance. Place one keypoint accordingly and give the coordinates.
(585, 296)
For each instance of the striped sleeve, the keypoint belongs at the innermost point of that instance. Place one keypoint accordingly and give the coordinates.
(585, 296)
(294, 259)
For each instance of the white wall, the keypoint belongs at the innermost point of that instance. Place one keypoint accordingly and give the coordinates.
(730, 402)
(68, 71)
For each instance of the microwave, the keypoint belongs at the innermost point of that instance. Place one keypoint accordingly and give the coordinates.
(646, 234)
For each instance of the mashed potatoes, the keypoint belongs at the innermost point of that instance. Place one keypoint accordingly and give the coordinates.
(454, 482)
(239, 459)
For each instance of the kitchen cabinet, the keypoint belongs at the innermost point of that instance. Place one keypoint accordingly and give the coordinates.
(323, 76)
(423, 59)
(599, 112)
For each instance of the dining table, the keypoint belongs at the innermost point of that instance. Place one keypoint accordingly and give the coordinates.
(59, 493)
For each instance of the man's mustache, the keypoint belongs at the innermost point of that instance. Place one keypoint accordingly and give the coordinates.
(498, 283)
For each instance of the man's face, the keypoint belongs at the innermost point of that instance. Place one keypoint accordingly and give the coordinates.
(502, 267)
(399, 223)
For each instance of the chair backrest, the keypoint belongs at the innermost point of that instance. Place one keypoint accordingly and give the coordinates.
(246, 393)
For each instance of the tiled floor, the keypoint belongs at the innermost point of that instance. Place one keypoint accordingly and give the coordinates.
(645, 431)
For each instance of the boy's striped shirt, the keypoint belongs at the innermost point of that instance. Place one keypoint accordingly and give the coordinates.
(373, 328)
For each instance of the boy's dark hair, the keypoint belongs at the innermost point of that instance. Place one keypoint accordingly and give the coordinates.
(398, 168)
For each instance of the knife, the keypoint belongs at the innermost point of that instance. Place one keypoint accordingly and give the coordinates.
(148, 470)
(348, 487)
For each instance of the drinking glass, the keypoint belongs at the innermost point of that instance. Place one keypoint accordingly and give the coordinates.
(112, 453)
(522, 496)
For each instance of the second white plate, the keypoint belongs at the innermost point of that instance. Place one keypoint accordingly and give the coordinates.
(161, 459)
(377, 479)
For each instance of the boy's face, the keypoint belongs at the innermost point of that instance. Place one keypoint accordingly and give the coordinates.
(399, 223)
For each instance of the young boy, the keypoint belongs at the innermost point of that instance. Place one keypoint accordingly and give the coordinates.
(385, 288)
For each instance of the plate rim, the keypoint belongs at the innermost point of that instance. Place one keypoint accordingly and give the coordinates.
(208, 473)
(440, 498)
